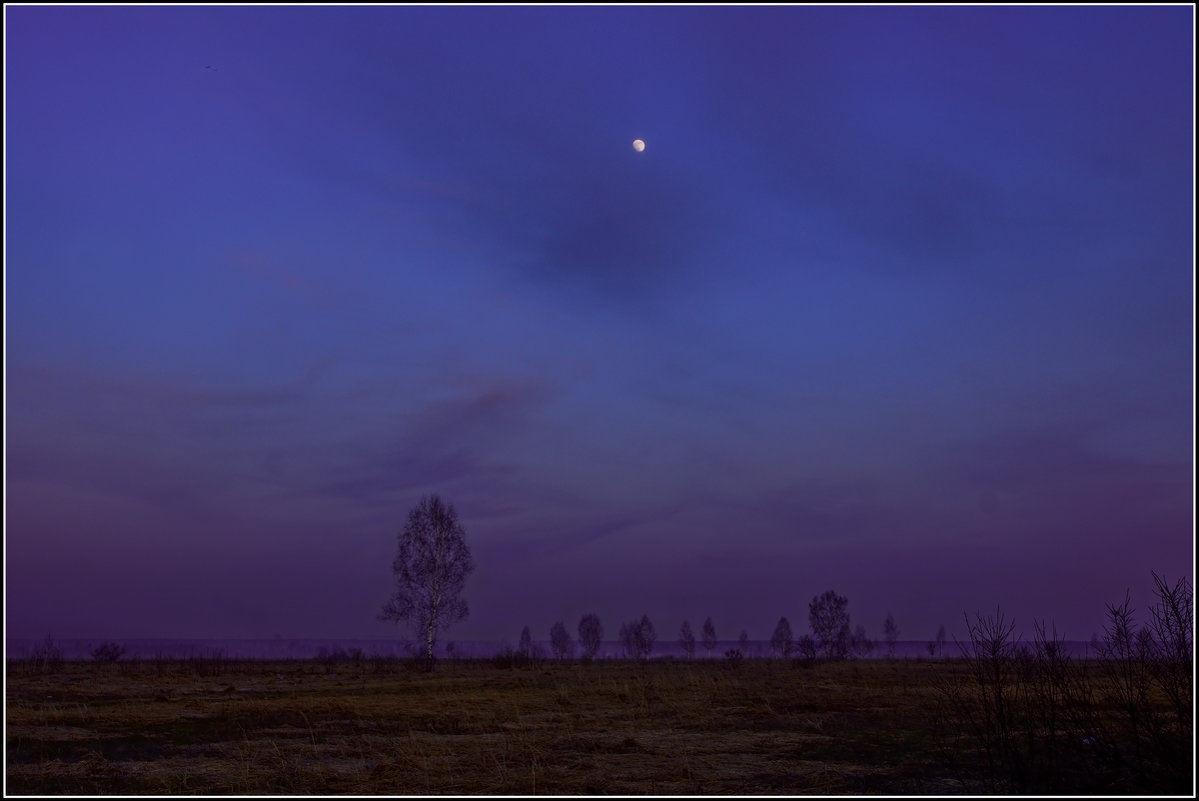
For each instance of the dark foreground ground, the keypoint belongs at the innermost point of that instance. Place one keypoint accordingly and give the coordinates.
(757, 727)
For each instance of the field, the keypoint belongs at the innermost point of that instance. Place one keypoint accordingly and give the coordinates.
(483, 727)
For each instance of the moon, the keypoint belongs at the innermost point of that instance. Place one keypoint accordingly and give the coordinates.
(638, 145)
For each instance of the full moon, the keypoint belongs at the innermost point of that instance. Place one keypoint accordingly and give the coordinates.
(638, 145)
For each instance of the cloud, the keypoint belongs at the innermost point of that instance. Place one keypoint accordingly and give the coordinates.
(452, 442)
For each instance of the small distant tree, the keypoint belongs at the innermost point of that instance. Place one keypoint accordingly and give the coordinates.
(687, 639)
(709, 635)
(628, 639)
(431, 568)
(648, 635)
(932, 649)
(941, 641)
(525, 647)
(782, 640)
(743, 643)
(561, 642)
(829, 619)
(591, 634)
(890, 633)
(859, 643)
(108, 652)
(637, 638)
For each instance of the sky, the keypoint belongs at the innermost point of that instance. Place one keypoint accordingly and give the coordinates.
(897, 301)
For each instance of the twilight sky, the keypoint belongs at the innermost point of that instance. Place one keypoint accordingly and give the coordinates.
(897, 301)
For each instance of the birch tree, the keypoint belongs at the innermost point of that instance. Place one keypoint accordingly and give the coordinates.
(431, 567)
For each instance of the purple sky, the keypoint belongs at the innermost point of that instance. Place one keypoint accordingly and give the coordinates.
(897, 301)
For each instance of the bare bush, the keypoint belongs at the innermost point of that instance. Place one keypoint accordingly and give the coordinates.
(1173, 624)
(1046, 723)
(988, 704)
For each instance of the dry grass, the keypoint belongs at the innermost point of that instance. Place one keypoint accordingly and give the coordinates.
(470, 728)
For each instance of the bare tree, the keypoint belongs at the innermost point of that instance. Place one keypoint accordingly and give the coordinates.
(648, 635)
(591, 634)
(829, 620)
(525, 647)
(628, 639)
(638, 637)
(709, 636)
(560, 641)
(430, 568)
(941, 641)
(687, 639)
(890, 633)
(782, 640)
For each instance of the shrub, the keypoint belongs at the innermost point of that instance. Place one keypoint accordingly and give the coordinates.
(507, 658)
(108, 652)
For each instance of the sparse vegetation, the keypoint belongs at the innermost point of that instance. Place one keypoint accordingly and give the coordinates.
(46, 658)
(609, 727)
(1021, 720)
(1003, 717)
